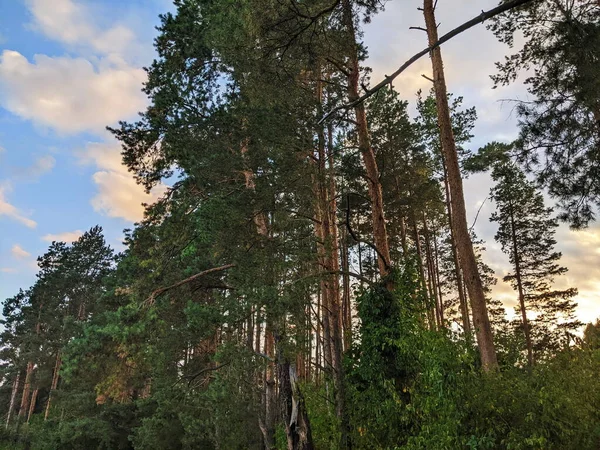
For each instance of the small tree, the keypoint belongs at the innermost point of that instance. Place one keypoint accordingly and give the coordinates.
(526, 233)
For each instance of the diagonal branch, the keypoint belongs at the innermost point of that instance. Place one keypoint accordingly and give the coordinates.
(445, 38)
(156, 293)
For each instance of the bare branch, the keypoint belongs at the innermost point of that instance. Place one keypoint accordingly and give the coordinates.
(445, 38)
(477, 215)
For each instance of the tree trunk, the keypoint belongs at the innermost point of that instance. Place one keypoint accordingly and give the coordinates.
(328, 235)
(347, 306)
(483, 329)
(26, 391)
(422, 270)
(431, 272)
(380, 236)
(32, 404)
(526, 329)
(13, 397)
(297, 424)
(437, 274)
(54, 384)
(464, 309)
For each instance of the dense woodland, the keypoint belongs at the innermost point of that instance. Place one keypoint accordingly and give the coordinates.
(309, 280)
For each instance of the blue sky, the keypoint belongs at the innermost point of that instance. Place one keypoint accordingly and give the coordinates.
(68, 68)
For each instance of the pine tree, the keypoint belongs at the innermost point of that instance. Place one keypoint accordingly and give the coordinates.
(562, 120)
(526, 232)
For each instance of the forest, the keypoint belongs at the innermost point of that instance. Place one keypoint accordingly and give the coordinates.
(310, 278)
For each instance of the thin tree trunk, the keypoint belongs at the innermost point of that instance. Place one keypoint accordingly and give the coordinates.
(347, 306)
(431, 272)
(437, 274)
(520, 288)
(403, 238)
(26, 391)
(13, 397)
(330, 253)
(54, 385)
(422, 270)
(32, 404)
(483, 329)
(380, 236)
(464, 309)
(250, 332)
(258, 330)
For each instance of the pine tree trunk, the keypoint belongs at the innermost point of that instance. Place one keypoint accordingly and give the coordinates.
(526, 328)
(26, 391)
(437, 275)
(347, 306)
(54, 385)
(13, 397)
(32, 404)
(483, 329)
(328, 235)
(380, 236)
(417, 239)
(464, 310)
(431, 274)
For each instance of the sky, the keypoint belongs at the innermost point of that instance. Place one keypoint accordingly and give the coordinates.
(69, 68)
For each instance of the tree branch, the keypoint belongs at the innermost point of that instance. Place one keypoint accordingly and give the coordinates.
(208, 369)
(445, 38)
(355, 237)
(150, 300)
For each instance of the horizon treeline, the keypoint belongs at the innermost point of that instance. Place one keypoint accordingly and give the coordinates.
(309, 279)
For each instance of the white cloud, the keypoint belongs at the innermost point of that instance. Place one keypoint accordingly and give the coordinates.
(74, 24)
(68, 94)
(118, 193)
(119, 196)
(19, 253)
(67, 236)
(7, 270)
(8, 210)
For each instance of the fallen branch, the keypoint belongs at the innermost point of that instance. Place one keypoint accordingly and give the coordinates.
(485, 15)
(150, 300)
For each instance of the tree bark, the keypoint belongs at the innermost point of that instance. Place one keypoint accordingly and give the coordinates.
(297, 424)
(32, 403)
(54, 385)
(327, 234)
(417, 239)
(464, 310)
(437, 275)
(26, 391)
(13, 397)
(483, 329)
(380, 236)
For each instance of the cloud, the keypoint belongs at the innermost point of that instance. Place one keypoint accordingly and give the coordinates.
(7, 270)
(40, 166)
(19, 253)
(69, 94)
(74, 24)
(8, 210)
(67, 236)
(118, 193)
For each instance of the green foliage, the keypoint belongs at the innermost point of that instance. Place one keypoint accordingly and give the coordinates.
(402, 375)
